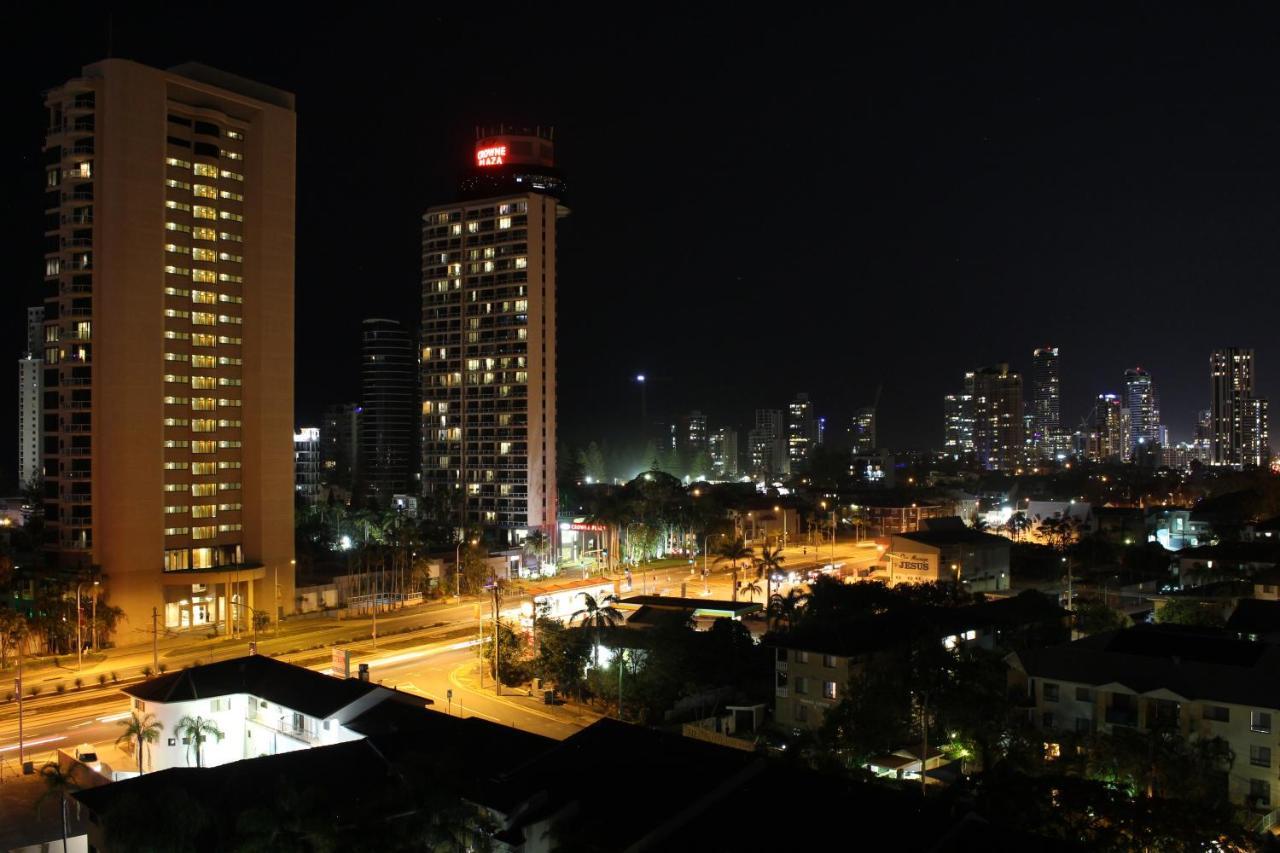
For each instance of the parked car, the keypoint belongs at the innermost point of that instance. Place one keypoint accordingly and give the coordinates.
(87, 755)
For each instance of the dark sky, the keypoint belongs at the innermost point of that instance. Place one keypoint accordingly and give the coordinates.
(824, 202)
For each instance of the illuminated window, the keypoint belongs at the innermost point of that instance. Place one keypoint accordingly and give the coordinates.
(203, 424)
(232, 155)
(227, 256)
(201, 469)
(232, 175)
(175, 356)
(176, 291)
(199, 318)
(234, 279)
(206, 255)
(204, 446)
(175, 401)
(203, 382)
(504, 223)
(201, 211)
(174, 510)
(177, 185)
(230, 528)
(235, 238)
(173, 377)
(229, 507)
(204, 297)
(204, 532)
(202, 558)
(522, 263)
(173, 443)
(176, 205)
(176, 466)
(204, 170)
(174, 226)
(172, 270)
(203, 233)
(204, 490)
(228, 487)
(234, 134)
(226, 297)
(203, 404)
(231, 195)
(204, 340)
(204, 191)
(176, 531)
(176, 422)
(173, 161)
(175, 487)
(170, 312)
(226, 214)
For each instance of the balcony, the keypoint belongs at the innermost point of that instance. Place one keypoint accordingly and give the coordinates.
(1123, 717)
(782, 692)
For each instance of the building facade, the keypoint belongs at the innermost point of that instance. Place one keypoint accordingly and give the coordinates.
(1239, 429)
(724, 452)
(957, 439)
(489, 337)
(168, 340)
(1143, 408)
(388, 411)
(1109, 435)
(802, 431)
(307, 469)
(767, 445)
(30, 395)
(1046, 403)
(997, 417)
(340, 446)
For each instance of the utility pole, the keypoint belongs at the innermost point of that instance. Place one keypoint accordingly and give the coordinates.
(497, 633)
(155, 644)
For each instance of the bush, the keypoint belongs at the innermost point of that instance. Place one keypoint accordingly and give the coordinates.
(102, 679)
(164, 667)
(60, 688)
(147, 672)
(34, 690)
(8, 697)
(115, 679)
(79, 683)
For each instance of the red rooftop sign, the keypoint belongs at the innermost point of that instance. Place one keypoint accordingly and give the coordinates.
(494, 155)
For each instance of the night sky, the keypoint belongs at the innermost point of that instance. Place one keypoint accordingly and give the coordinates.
(827, 202)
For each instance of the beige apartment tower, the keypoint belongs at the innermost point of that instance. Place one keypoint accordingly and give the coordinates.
(489, 339)
(168, 342)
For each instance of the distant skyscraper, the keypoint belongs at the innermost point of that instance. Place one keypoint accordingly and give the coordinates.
(30, 395)
(1046, 406)
(340, 446)
(768, 444)
(168, 345)
(724, 451)
(306, 464)
(1143, 407)
(692, 434)
(489, 336)
(802, 431)
(997, 417)
(863, 430)
(1109, 436)
(958, 421)
(1240, 434)
(389, 414)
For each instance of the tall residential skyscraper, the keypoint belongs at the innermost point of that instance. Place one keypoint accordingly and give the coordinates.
(957, 430)
(1143, 407)
(997, 417)
(767, 444)
(489, 336)
(388, 411)
(30, 395)
(1046, 406)
(691, 437)
(1240, 433)
(168, 402)
(863, 429)
(340, 446)
(724, 452)
(1109, 435)
(802, 431)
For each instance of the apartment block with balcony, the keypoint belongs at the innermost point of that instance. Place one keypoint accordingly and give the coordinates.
(1196, 682)
(168, 340)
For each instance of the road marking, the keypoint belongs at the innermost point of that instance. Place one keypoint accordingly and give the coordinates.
(454, 680)
(114, 717)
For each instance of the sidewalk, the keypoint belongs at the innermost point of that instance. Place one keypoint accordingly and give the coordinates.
(564, 711)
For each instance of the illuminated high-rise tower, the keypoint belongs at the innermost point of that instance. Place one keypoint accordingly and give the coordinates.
(168, 340)
(489, 337)
(1046, 405)
(1239, 423)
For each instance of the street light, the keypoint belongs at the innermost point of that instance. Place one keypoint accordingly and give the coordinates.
(79, 642)
(784, 525)
(457, 568)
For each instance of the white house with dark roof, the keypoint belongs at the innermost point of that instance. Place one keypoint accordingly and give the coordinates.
(261, 705)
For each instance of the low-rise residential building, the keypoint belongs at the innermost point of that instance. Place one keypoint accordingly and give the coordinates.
(1200, 682)
(885, 517)
(1226, 560)
(954, 554)
(261, 705)
(814, 665)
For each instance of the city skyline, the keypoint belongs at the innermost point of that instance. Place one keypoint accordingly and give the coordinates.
(1019, 124)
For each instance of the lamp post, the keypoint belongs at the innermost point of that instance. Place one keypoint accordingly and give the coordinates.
(457, 568)
(93, 620)
(784, 524)
(833, 534)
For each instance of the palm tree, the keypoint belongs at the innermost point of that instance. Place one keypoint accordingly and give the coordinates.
(787, 606)
(536, 543)
(732, 551)
(58, 784)
(769, 561)
(196, 730)
(144, 730)
(752, 587)
(597, 614)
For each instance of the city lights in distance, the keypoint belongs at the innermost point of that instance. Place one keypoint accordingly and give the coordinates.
(493, 155)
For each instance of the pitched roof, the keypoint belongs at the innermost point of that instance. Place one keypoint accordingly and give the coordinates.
(305, 690)
(670, 602)
(953, 536)
(1201, 664)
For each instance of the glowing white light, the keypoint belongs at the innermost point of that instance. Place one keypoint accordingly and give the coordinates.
(345, 543)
